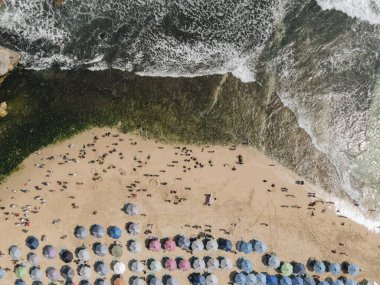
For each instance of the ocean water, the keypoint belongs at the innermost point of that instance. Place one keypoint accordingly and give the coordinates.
(324, 55)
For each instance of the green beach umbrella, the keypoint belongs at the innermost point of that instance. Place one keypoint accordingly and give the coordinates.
(20, 272)
(287, 269)
(155, 266)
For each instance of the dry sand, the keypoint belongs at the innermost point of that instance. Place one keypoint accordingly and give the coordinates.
(258, 199)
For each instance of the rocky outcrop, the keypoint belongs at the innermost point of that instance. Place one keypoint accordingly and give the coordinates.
(8, 60)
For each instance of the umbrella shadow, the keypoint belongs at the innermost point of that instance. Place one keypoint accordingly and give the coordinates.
(310, 264)
(265, 259)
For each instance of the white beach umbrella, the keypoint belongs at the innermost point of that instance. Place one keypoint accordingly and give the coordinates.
(137, 266)
(33, 259)
(36, 274)
(212, 264)
(131, 209)
(226, 264)
(171, 281)
(212, 245)
(155, 266)
(199, 264)
(135, 246)
(134, 229)
(83, 254)
(138, 281)
(119, 267)
(15, 252)
(84, 271)
(211, 279)
(155, 281)
(197, 245)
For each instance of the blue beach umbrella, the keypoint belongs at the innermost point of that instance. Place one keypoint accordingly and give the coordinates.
(240, 278)
(324, 282)
(245, 265)
(272, 280)
(274, 261)
(286, 280)
(309, 281)
(225, 244)
(245, 247)
(299, 269)
(183, 242)
(2, 273)
(350, 282)
(114, 232)
(297, 280)
(319, 267)
(353, 269)
(260, 247)
(334, 268)
(37, 283)
(32, 242)
(97, 231)
(20, 282)
(199, 279)
(261, 279)
(251, 279)
(337, 282)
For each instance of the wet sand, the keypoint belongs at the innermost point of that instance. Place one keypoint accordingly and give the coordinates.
(87, 179)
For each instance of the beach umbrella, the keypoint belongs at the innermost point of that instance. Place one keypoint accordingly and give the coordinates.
(97, 231)
(261, 279)
(19, 282)
(309, 281)
(49, 252)
(138, 281)
(155, 266)
(134, 246)
(245, 247)
(183, 242)
(353, 269)
(119, 267)
(52, 274)
(274, 261)
(84, 282)
(324, 282)
(155, 245)
(199, 264)
(102, 281)
(350, 282)
(35, 273)
(114, 232)
(32, 242)
(15, 252)
(337, 282)
(225, 244)
(2, 273)
(116, 250)
(101, 268)
(297, 280)
(319, 267)
(240, 278)
(334, 268)
(251, 279)
(212, 264)
(100, 249)
(225, 263)
(81, 232)
(299, 269)
(155, 281)
(20, 272)
(184, 265)
(198, 279)
(197, 245)
(286, 269)
(171, 281)
(137, 266)
(119, 281)
(134, 229)
(67, 272)
(246, 265)
(260, 247)
(169, 245)
(84, 271)
(37, 283)
(212, 245)
(69, 282)
(32, 259)
(272, 279)
(66, 256)
(131, 209)
(83, 254)
(170, 264)
(286, 280)
(211, 279)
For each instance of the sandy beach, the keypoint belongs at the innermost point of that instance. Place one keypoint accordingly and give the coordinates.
(87, 179)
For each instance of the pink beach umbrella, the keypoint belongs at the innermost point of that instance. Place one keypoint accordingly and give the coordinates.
(170, 264)
(155, 245)
(184, 265)
(169, 245)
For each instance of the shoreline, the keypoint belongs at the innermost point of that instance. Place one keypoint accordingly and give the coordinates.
(276, 211)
